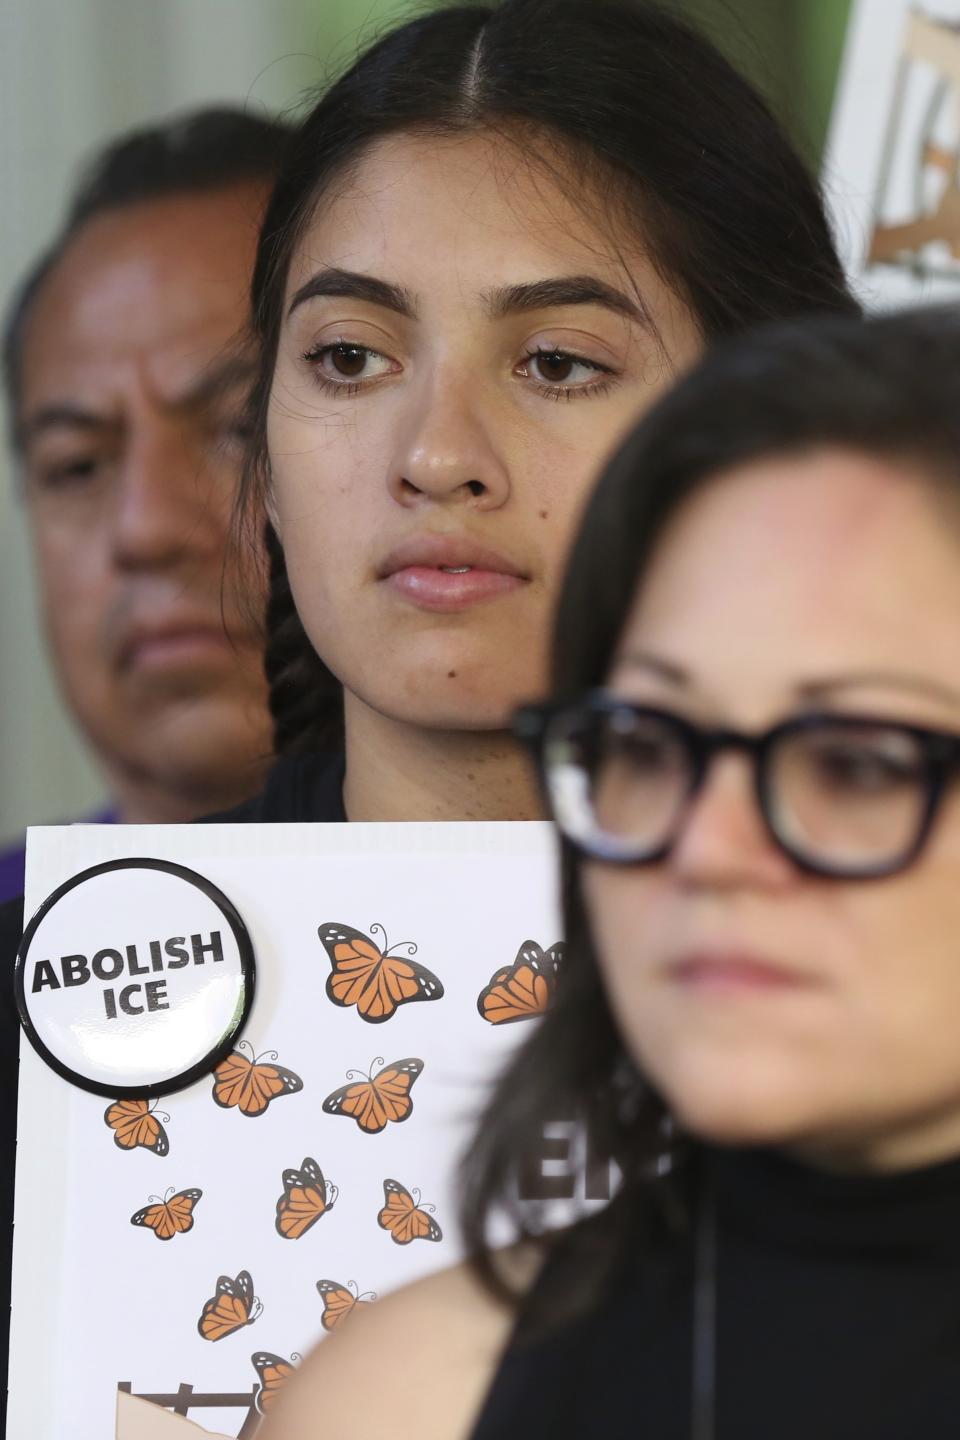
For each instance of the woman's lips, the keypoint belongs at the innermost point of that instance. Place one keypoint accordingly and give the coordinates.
(448, 573)
(450, 590)
(736, 973)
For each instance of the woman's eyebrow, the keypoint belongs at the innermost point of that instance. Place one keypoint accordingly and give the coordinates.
(354, 286)
(501, 302)
(564, 290)
(886, 679)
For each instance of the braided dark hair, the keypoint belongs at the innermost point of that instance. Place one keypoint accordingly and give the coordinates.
(672, 137)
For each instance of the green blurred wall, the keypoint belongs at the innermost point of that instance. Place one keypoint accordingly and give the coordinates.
(791, 49)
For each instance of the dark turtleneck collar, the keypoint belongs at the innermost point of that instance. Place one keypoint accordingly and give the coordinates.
(780, 1202)
(829, 1307)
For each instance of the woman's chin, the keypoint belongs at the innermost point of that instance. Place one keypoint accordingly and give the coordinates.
(740, 1114)
(447, 681)
(736, 1131)
(452, 701)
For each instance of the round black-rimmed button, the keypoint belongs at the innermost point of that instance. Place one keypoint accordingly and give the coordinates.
(134, 978)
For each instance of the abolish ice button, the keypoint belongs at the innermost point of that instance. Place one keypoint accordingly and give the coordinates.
(135, 977)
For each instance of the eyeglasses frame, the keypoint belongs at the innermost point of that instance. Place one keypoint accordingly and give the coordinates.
(940, 749)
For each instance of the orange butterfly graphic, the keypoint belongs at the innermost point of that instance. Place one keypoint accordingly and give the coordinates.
(376, 1100)
(134, 1123)
(306, 1196)
(373, 979)
(249, 1085)
(523, 990)
(173, 1215)
(273, 1372)
(233, 1306)
(339, 1301)
(404, 1217)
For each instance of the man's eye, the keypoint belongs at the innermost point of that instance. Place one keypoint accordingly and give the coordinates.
(60, 474)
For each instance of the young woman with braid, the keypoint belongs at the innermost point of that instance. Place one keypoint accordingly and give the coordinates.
(497, 239)
(752, 753)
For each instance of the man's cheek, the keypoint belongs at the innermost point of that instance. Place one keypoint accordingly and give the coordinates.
(72, 630)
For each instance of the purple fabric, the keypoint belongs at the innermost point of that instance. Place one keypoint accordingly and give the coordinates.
(11, 872)
(12, 859)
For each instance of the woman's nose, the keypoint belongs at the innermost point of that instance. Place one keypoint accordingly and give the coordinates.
(450, 449)
(723, 840)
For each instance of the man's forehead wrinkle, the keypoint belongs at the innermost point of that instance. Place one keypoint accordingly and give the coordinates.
(230, 368)
(137, 290)
(83, 338)
(101, 398)
(122, 278)
(193, 374)
(168, 373)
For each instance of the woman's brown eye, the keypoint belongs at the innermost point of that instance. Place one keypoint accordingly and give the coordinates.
(348, 360)
(555, 366)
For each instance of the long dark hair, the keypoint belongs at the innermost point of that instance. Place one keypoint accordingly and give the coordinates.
(672, 138)
(885, 387)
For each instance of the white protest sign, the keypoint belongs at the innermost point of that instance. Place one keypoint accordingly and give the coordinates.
(892, 164)
(190, 1250)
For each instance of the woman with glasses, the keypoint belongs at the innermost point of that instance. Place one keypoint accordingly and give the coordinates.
(752, 754)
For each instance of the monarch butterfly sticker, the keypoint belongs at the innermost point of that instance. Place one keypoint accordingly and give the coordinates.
(306, 1198)
(233, 1306)
(374, 1101)
(339, 1301)
(405, 1217)
(373, 979)
(135, 1122)
(273, 1372)
(173, 1215)
(249, 1085)
(523, 990)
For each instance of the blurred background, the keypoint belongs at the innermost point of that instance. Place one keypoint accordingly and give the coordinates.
(75, 72)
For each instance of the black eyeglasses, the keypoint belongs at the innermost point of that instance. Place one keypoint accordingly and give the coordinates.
(847, 796)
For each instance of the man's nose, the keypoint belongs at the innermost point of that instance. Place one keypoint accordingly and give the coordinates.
(170, 503)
